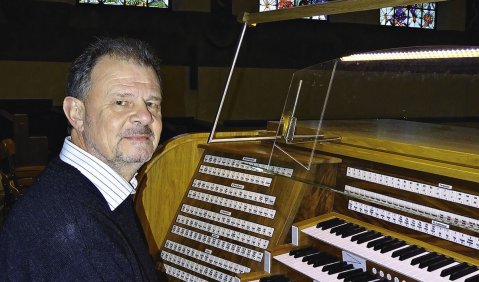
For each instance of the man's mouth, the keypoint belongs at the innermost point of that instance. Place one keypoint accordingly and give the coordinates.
(138, 137)
(138, 134)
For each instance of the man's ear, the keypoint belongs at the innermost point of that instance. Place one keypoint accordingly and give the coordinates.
(74, 110)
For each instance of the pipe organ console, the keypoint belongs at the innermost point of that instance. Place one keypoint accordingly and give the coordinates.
(235, 208)
(361, 213)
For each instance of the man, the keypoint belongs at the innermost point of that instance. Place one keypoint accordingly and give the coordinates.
(78, 222)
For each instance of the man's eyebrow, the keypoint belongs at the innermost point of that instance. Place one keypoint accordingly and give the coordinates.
(122, 94)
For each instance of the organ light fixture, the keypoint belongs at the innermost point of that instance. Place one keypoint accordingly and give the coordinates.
(414, 55)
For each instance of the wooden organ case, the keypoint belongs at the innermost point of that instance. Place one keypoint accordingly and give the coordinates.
(239, 224)
(357, 181)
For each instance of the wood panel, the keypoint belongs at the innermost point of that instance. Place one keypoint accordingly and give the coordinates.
(163, 181)
(434, 148)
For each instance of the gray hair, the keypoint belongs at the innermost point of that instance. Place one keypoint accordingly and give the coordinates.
(79, 78)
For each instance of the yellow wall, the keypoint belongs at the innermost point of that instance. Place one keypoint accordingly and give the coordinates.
(47, 80)
(33, 80)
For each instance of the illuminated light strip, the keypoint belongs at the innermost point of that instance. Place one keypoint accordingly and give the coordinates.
(415, 224)
(182, 275)
(229, 220)
(235, 192)
(232, 204)
(218, 243)
(223, 232)
(247, 165)
(196, 267)
(415, 187)
(208, 258)
(441, 215)
(235, 175)
(414, 55)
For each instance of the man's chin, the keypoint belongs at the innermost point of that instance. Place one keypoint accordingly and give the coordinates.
(137, 155)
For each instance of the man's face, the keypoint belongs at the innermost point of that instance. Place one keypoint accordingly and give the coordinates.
(123, 113)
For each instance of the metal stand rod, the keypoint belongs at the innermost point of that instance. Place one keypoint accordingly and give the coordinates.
(210, 138)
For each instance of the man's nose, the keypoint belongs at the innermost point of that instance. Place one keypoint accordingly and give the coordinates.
(141, 114)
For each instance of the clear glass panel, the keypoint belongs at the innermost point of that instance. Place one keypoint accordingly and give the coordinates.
(310, 86)
(388, 95)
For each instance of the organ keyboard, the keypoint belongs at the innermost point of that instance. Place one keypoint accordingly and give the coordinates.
(382, 249)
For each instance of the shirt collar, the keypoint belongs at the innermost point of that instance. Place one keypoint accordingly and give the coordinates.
(114, 188)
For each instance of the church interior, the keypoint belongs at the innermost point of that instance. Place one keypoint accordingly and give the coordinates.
(276, 141)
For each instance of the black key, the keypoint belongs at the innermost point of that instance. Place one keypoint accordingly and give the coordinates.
(474, 278)
(373, 243)
(341, 269)
(422, 258)
(374, 236)
(411, 254)
(333, 265)
(352, 231)
(364, 278)
(302, 252)
(389, 247)
(428, 262)
(349, 273)
(325, 260)
(340, 228)
(330, 223)
(275, 278)
(402, 251)
(359, 236)
(357, 277)
(452, 269)
(379, 246)
(461, 273)
(312, 258)
(439, 264)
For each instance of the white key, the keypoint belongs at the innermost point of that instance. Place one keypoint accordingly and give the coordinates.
(305, 268)
(403, 267)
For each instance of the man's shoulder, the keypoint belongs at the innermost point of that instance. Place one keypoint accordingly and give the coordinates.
(57, 171)
(61, 190)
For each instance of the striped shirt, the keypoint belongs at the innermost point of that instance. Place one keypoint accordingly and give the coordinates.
(112, 186)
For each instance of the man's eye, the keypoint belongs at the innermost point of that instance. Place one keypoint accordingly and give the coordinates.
(120, 103)
(153, 105)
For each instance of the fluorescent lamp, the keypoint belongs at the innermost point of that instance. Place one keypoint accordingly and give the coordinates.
(414, 55)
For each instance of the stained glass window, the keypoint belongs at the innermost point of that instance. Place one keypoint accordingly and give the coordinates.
(417, 15)
(138, 3)
(269, 5)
